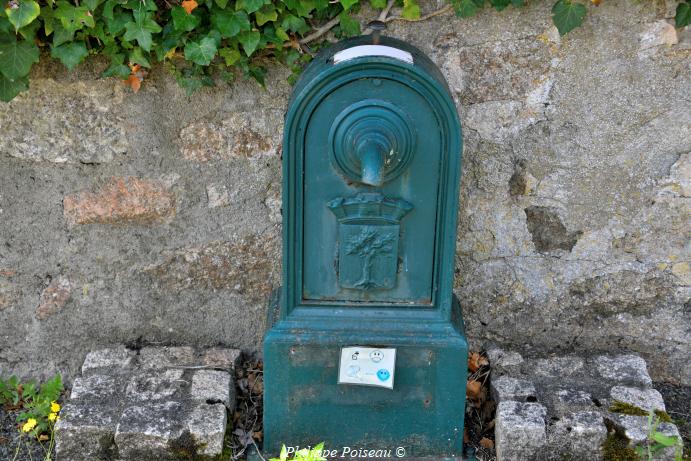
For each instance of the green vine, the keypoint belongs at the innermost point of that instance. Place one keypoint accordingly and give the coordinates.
(201, 40)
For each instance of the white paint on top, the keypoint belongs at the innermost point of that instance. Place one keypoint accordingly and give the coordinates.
(372, 50)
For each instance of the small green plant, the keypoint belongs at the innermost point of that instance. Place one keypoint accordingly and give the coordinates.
(10, 391)
(37, 409)
(658, 441)
(304, 454)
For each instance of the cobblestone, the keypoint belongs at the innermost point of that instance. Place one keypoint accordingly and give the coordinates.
(558, 408)
(148, 405)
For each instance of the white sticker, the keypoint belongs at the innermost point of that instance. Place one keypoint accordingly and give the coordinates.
(372, 50)
(367, 366)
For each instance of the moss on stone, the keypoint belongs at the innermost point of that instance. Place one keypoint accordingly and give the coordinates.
(227, 453)
(185, 447)
(616, 448)
(628, 409)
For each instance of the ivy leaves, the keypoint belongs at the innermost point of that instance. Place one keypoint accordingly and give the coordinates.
(202, 52)
(21, 13)
(17, 55)
(683, 16)
(230, 23)
(16, 58)
(467, 8)
(143, 26)
(203, 41)
(567, 15)
(70, 54)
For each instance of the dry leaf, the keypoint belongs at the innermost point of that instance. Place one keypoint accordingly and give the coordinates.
(134, 80)
(473, 362)
(476, 361)
(255, 383)
(596, 2)
(473, 390)
(486, 443)
(189, 5)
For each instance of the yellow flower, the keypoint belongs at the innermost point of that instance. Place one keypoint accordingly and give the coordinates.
(30, 424)
(54, 406)
(52, 416)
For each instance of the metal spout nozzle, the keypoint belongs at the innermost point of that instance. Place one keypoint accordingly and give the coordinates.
(376, 27)
(372, 165)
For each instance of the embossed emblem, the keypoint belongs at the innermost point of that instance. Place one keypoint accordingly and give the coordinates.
(368, 235)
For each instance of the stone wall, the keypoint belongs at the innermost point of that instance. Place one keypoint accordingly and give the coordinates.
(154, 218)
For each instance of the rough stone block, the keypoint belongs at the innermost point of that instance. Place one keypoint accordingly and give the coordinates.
(506, 388)
(85, 432)
(559, 367)
(207, 425)
(237, 136)
(95, 387)
(8, 289)
(579, 435)
(219, 357)
(213, 386)
(160, 385)
(242, 266)
(147, 431)
(502, 360)
(77, 123)
(520, 431)
(641, 398)
(624, 369)
(565, 401)
(165, 357)
(54, 297)
(113, 360)
(122, 200)
(217, 195)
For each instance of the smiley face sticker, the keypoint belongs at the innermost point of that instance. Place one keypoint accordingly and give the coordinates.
(376, 356)
(367, 366)
(383, 374)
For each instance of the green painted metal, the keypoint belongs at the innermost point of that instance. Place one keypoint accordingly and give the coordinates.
(371, 164)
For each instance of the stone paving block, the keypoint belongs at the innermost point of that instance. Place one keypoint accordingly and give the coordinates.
(96, 387)
(559, 367)
(165, 357)
(502, 360)
(624, 370)
(565, 401)
(635, 428)
(573, 396)
(85, 432)
(519, 431)
(147, 431)
(212, 386)
(207, 425)
(150, 406)
(579, 435)
(507, 388)
(160, 385)
(223, 358)
(641, 398)
(113, 360)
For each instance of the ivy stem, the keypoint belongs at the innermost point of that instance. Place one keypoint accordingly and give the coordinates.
(385, 12)
(318, 32)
